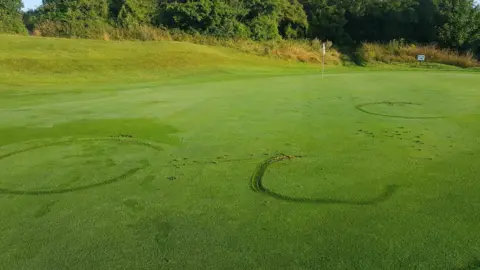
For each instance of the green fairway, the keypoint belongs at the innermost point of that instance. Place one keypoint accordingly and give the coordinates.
(162, 177)
(362, 170)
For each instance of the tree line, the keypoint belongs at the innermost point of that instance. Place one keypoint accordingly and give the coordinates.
(449, 23)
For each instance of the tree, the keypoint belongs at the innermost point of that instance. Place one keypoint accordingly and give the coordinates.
(262, 18)
(132, 13)
(326, 19)
(215, 17)
(72, 18)
(11, 16)
(427, 20)
(459, 24)
(257, 19)
(293, 22)
(378, 20)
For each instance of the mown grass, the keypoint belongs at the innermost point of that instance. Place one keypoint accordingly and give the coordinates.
(155, 173)
(73, 196)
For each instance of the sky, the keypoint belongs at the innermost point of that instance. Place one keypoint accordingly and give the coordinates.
(30, 4)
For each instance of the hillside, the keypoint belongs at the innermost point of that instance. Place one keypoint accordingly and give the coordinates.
(31, 61)
(40, 62)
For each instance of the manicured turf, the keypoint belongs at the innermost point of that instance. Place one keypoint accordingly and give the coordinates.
(372, 170)
(161, 177)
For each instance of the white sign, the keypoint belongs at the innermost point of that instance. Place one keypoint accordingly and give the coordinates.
(421, 57)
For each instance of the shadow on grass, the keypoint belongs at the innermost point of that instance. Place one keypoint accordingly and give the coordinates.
(256, 184)
(68, 190)
(472, 265)
(361, 107)
(148, 129)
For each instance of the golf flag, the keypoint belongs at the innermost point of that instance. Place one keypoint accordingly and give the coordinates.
(323, 59)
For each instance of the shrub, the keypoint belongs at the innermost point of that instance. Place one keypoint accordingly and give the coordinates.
(11, 18)
(141, 32)
(77, 29)
(264, 28)
(398, 52)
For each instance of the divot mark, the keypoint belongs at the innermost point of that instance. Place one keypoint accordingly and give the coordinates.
(256, 185)
(361, 107)
(133, 204)
(147, 180)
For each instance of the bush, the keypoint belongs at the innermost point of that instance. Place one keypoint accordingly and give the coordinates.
(142, 32)
(11, 20)
(12, 25)
(264, 28)
(77, 29)
(398, 52)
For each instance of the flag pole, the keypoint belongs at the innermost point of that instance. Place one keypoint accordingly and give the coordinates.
(323, 58)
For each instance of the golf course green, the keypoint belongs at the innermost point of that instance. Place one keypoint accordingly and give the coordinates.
(264, 165)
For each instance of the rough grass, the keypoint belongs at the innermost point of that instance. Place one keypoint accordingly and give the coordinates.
(396, 52)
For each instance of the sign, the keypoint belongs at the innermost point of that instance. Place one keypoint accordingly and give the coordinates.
(421, 57)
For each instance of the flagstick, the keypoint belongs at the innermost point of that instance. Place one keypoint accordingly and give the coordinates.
(323, 59)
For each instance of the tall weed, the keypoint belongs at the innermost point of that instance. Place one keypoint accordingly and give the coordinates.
(399, 52)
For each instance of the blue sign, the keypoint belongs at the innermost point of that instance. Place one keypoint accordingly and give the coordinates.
(421, 57)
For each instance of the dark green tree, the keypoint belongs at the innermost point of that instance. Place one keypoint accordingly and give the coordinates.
(326, 19)
(378, 20)
(458, 24)
(72, 18)
(293, 22)
(133, 13)
(11, 17)
(216, 17)
(262, 18)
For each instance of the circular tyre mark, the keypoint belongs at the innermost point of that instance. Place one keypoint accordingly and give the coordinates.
(84, 187)
(256, 184)
(361, 107)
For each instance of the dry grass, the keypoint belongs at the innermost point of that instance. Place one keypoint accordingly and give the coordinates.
(106, 36)
(143, 33)
(36, 33)
(396, 52)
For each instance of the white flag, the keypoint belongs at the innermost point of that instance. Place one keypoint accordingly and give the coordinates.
(324, 51)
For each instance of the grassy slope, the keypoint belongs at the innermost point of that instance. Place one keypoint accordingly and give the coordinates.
(47, 61)
(39, 63)
(213, 135)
